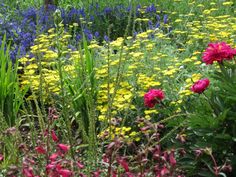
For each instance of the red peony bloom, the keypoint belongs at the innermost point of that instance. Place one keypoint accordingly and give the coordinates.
(218, 52)
(152, 97)
(200, 85)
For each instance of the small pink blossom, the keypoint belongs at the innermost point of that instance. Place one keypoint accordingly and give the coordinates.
(1, 157)
(172, 158)
(40, 150)
(63, 147)
(28, 172)
(121, 161)
(80, 165)
(54, 136)
(65, 172)
(53, 157)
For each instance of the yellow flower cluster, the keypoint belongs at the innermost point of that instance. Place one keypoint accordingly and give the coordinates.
(124, 133)
(41, 70)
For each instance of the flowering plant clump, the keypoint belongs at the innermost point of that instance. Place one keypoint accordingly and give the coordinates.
(152, 97)
(218, 52)
(100, 72)
(200, 86)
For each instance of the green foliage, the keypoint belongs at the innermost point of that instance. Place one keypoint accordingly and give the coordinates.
(11, 95)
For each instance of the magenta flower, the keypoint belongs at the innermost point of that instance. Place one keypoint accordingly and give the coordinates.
(200, 86)
(218, 52)
(152, 97)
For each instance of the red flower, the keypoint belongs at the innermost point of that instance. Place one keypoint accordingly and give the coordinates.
(200, 85)
(218, 52)
(152, 97)
(54, 136)
(63, 147)
(40, 150)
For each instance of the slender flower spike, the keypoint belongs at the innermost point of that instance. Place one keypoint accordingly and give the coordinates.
(200, 86)
(152, 97)
(218, 52)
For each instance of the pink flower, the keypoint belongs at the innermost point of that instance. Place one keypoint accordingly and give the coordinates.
(1, 157)
(218, 52)
(198, 152)
(53, 157)
(121, 161)
(28, 172)
(96, 173)
(200, 86)
(80, 165)
(65, 172)
(164, 171)
(152, 97)
(40, 150)
(54, 136)
(63, 147)
(172, 158)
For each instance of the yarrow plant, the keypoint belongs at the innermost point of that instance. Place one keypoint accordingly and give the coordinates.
(218, 52)
(153, 97)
